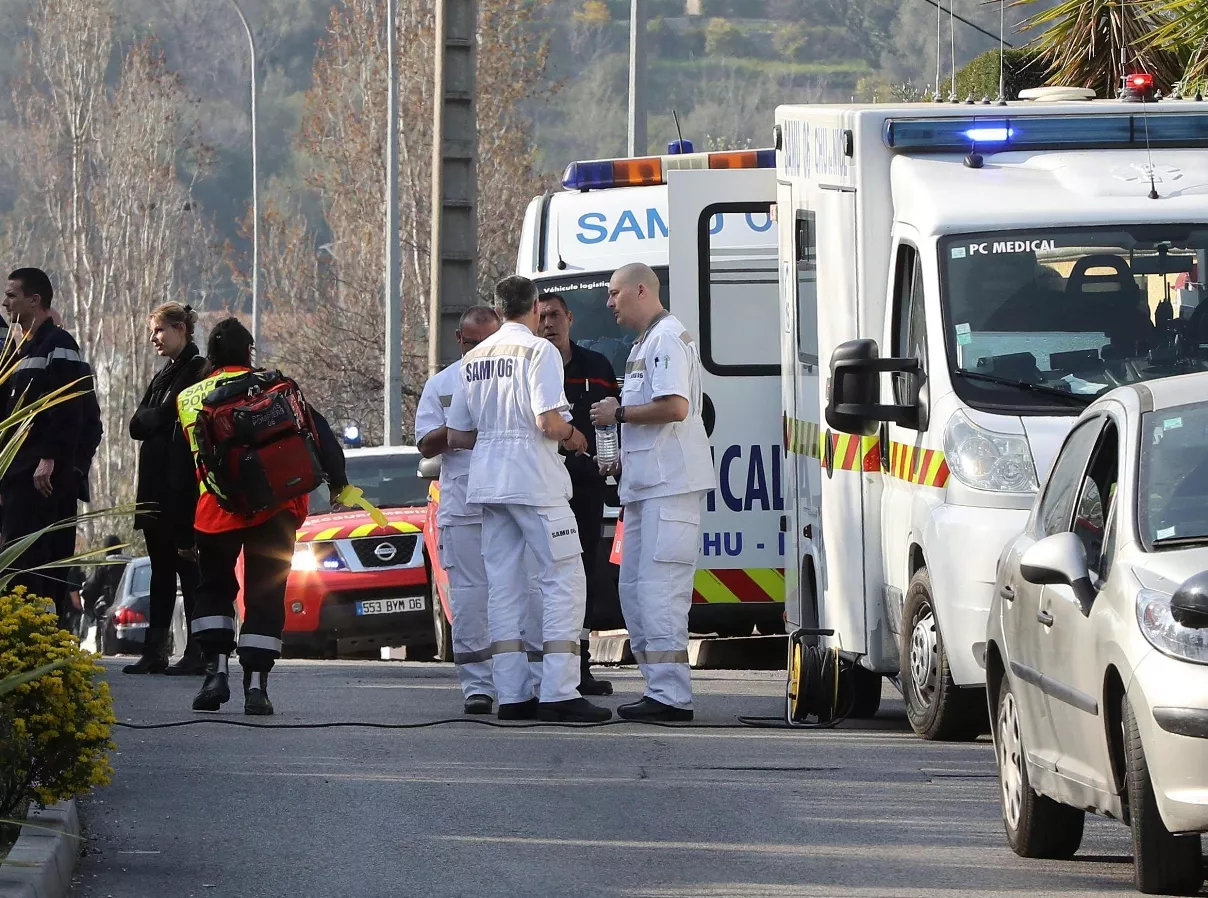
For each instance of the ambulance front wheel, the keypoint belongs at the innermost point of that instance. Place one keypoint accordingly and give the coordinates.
(937, 708)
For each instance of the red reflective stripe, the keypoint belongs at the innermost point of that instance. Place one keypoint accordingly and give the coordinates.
(849, 457)
(698, 599)
(740, 584)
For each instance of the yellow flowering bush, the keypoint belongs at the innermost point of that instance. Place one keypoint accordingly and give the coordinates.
(54, 729)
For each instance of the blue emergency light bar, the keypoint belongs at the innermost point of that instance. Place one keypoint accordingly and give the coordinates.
(602, 174)
(1047, 132)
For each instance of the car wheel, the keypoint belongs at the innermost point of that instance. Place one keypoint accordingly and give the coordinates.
(1164, 864)
(936, 707)
(867, 699)
(1036, 825)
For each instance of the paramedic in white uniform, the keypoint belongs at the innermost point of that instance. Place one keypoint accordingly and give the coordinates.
(514, 414)
(458, 522)
(666, 469)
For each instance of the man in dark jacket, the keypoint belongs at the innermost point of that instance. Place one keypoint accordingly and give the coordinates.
(41, 478)
(588, 377)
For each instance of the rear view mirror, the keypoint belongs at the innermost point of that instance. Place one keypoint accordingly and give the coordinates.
(854, 389)
(429, 468)
(1059, 560)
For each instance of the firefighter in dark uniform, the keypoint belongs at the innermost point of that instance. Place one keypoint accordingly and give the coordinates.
(588, 377)
(40, 483)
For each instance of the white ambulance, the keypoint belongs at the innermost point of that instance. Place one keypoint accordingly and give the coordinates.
(957, 283)
(613, 212)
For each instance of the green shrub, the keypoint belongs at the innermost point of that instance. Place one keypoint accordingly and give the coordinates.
(1021, 69)
(724, 38)
(54, 729)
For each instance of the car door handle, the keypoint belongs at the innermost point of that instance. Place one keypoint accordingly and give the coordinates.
(1045, 618)
(1007, 592)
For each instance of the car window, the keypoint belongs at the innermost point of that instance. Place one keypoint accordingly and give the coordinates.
(1172, 494)
(140, 580)
(1062, 488)
(389, 481)
(1095, 499)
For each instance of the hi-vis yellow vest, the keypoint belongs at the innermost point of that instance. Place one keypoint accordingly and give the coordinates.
(188, 407)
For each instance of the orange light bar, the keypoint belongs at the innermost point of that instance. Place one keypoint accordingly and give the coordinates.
(640, 172)
(739, 159)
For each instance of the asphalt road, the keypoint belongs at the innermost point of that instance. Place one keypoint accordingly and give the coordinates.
(466, 810)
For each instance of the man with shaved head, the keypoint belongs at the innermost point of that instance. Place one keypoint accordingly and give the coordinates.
(459, 523)
(666, 470)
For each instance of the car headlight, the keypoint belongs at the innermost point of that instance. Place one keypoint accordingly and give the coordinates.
(986, 460)
(1165, 633)
(304, 559)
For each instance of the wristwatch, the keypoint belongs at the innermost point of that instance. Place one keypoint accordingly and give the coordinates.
(620, 414)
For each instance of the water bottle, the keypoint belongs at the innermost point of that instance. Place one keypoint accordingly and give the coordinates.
(608, 446)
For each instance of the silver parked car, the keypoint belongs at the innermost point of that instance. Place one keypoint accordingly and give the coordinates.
(1097, 645)
(124, 629)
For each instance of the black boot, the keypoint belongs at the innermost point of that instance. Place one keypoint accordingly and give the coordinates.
(575, 710)
(589, 685)
(155, 654)
(215, 691)
(191, 664)
(649, 709)
(255, 694)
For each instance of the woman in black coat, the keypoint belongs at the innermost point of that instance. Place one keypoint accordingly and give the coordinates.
(167, 488)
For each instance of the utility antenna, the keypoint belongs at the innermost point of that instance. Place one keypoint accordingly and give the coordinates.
(952, 45)
(1002, 61)
(939, 43)
(678, 132)
(1153, 187)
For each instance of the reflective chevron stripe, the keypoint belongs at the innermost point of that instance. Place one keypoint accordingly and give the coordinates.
(730, 586)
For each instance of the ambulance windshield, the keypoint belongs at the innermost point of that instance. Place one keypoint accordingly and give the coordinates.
(594, 326)
(1047, 320)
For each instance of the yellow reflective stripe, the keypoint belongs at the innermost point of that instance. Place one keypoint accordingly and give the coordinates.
(712, 589)
(434, 492)
(931, 475)
(770, 580)
(363, 530)
(404, 527)
(329, 533)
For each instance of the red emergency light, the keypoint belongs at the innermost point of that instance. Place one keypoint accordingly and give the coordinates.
(1141, 81)
(1138, 86)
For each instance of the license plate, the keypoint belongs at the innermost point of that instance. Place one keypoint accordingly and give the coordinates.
(391, 606)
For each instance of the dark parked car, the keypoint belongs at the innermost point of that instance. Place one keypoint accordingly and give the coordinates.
(125, 626)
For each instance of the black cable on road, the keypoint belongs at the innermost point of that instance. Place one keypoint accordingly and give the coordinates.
(743, 723)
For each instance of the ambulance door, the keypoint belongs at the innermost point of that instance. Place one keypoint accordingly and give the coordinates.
(902, 450)
(724, 287)
(845, 457)
(802, 521)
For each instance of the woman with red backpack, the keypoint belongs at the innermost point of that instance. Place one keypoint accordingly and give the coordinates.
(259, 450)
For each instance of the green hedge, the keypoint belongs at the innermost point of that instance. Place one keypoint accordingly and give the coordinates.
(1022, 69)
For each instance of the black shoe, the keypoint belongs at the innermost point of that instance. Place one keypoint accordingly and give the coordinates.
(187, 666)
(518, 710)
(256, 703)
(147, 664)
(589, 685)
(155, 654)
(575, 710)
(215, 692)
(652, 709)
(255, 698)
(479, 704)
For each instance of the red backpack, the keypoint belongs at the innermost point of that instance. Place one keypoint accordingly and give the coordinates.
(256, 443)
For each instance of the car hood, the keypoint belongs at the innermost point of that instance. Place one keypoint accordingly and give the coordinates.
(356, 524)
(1167, 571)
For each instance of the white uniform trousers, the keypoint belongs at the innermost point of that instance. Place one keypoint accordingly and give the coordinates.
(553, 538)
(658, 565)
(461, 557)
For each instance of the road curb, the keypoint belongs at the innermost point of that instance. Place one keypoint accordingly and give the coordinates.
(713, 653)
(44, 857)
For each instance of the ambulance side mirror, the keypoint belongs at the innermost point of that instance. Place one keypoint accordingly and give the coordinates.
(429, 468)
(854, 390)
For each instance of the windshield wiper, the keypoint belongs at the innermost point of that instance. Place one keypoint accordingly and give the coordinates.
(1174, 541)
(1025, 385)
